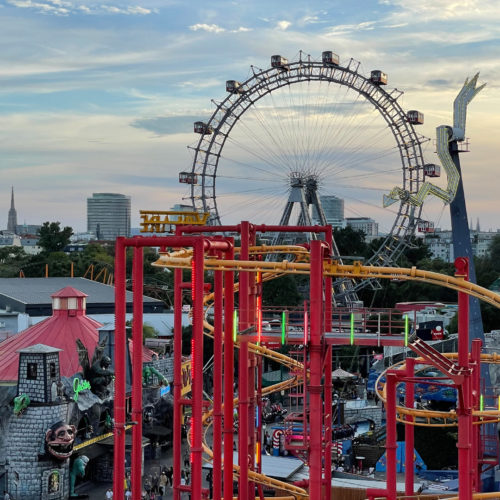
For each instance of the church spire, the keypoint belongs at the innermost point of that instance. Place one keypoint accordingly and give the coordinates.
(12, 220)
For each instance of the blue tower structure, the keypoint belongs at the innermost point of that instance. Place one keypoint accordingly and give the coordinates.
(462, 247)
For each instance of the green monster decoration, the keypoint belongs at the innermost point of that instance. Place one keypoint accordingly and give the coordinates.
(108, 422)
(77, 470)
(21, 402)
(147, 376)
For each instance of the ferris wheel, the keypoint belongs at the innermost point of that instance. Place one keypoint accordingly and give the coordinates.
(308, 122)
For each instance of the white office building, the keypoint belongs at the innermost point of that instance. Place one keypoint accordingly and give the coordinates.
(108, 215)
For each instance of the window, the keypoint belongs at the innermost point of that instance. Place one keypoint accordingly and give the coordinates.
(31, 371)
(52, 370)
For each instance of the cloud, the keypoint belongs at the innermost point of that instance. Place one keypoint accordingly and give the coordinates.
(344, 29)
(283, 25)
(127, 11)
(211, 28)
(444, 10)
(57, 8)
(165, 125)
(65, 8)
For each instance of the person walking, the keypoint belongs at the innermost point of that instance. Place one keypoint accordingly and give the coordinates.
(147, 486)
(170, 475)
(109, 494)
(6, 495)
(155, 482)
(163, 483)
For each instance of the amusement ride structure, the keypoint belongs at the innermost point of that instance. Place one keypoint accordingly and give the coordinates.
(235, 303)
(305, 125)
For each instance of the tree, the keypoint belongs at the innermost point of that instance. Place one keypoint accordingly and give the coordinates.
(350, 242)
(53, 238)
(281, 291)
(12, 260)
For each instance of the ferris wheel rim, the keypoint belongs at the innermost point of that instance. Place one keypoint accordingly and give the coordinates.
(262, 83)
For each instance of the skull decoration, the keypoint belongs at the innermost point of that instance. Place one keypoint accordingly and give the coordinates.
(59, 440)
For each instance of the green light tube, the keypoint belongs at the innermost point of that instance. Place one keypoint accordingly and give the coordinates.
(481, 402)
(352, 328)
(407, 322)
(283, 327)
(235, 325)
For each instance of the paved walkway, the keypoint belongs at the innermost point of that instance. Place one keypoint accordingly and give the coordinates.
(97, 491)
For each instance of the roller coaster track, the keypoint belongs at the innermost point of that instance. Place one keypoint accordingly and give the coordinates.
(432, 418)
(183, 259)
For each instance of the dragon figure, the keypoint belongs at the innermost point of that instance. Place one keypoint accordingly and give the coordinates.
(77, 470)
(98, 373)
(147, 376)
(21, 402)
(444, 135)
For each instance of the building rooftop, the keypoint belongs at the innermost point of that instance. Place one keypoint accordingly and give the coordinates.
(34, 295)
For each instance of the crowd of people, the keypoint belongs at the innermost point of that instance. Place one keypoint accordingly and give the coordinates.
(155, 486)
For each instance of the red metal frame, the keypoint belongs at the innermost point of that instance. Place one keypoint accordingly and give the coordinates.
(466, 372)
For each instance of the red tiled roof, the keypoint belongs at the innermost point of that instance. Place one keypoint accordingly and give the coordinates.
(69, 291)
(60, 331)
(57, 331)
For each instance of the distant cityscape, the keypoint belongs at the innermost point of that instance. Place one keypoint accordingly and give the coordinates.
(109, 216)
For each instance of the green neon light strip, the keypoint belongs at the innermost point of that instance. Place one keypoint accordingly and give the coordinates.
(407, 322)
(352, 328)
(235, 325)
(481, 402)
(283, 327)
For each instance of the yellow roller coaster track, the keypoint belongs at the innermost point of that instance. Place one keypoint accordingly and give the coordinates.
(183, 258)
(431, 418)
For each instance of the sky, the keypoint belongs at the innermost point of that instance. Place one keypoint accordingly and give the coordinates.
(101, 96)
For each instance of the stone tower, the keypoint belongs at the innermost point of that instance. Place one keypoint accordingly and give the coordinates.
(39, 373)
(12, 220)
(32, 474)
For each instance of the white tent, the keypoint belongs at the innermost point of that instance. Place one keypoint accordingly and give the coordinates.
(340, 374)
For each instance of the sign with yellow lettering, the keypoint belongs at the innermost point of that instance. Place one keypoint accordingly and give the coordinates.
(185, 377)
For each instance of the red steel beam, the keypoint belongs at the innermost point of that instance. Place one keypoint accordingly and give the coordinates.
(177, 438)
(228, 377)
(464, 412)
(120, 374)
(137, 288)
(243, 368)
(217, 384)
(197, 370)
(409, 429)
(391, 444)
(315, 388)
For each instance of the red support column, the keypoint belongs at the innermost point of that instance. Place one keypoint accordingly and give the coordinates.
(228, 377)
(197, 281)
(464, 412)
(315, 389)
(328, 422)
(328, 375)
(243, 368)
(391, 444)
(177, 438)
(217, 381)
(137, 286)
(476, 398)
(120, 374)
(409, 429)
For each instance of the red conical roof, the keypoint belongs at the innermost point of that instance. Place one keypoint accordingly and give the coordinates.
(60, 331)
(69, 291)
(57, 331)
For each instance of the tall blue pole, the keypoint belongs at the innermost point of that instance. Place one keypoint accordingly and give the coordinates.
(462, 247)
